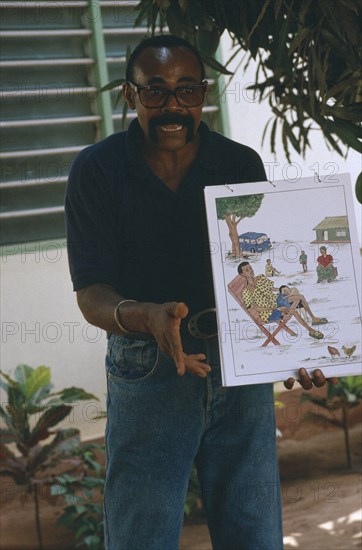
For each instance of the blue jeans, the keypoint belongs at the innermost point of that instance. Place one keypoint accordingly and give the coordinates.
(158, 424)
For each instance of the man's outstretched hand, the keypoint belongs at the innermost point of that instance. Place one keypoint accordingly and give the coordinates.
(164, 322)
(318, 380)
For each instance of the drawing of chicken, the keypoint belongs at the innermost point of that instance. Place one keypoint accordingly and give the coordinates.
(349, 351)
(333, 351)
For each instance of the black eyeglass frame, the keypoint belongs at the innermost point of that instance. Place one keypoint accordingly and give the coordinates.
(138, 88)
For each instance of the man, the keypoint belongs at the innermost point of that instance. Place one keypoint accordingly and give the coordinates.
(303, 258)
(139, 263)
(270, 270)
(260, 294)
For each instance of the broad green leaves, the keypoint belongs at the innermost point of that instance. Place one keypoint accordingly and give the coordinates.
(30, 413)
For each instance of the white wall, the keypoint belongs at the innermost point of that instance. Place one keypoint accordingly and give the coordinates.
(247, 119)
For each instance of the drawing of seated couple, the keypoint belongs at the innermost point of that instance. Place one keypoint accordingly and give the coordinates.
(270, 304)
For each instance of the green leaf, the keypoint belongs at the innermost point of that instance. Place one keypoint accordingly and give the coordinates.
(291, 136)
(350, 397)
(50, 418)
(91, 540)
(345, 85)
(211, 62)
(265, 131)
(113, 84)
(347, 132)
(82, 530)
(57, 490)
(207, 42)
(350, 113)
(69, 395)
(332, 142)
(80, 509)
(62, 442)
(261, 14)
(277, 6)
(22, 373)
(285, 141)
(146, 9)
(12, 383)
(272, 135)
(175, 19)
(39, 379)
(303, 35)
(15, 397)
(282, 63)
(71, 509)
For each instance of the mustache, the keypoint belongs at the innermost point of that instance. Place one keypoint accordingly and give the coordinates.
(174, 118)
(171, 118)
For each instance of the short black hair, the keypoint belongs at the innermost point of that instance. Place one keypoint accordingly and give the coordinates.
(240, 267)
(161, 41)
(281, 288)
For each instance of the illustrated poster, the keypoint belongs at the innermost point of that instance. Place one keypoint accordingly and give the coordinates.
(286, 269)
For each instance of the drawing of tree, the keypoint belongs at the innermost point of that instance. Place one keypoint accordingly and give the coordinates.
(235, 209)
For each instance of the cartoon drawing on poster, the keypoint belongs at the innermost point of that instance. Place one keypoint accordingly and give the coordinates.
(286, 268)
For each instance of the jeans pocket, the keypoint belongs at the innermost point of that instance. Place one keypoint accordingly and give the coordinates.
(131, 359)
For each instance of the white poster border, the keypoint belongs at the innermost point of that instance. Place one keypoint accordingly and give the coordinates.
(291, 210)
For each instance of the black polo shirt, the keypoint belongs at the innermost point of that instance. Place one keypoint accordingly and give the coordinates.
(127, 229)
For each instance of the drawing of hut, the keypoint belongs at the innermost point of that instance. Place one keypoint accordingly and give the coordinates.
(333, 229)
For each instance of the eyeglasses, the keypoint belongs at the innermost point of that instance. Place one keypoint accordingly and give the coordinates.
(154, 97)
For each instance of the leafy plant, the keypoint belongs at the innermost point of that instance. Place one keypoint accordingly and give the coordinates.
(341, 396)
(83, 494)
(30, 413)
(307, 54)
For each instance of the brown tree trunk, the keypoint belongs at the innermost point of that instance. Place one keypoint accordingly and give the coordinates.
(232, 224)
(37, 517)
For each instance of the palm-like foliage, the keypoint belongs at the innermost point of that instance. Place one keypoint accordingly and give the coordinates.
(344, 395)
(308, 58)
(28, 416)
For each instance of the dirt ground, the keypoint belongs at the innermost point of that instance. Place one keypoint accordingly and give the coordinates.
(322, 499)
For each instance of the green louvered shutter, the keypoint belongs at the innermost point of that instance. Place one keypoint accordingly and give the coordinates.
(54, 58)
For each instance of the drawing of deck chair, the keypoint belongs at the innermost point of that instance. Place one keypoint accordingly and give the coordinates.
(235, 288)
